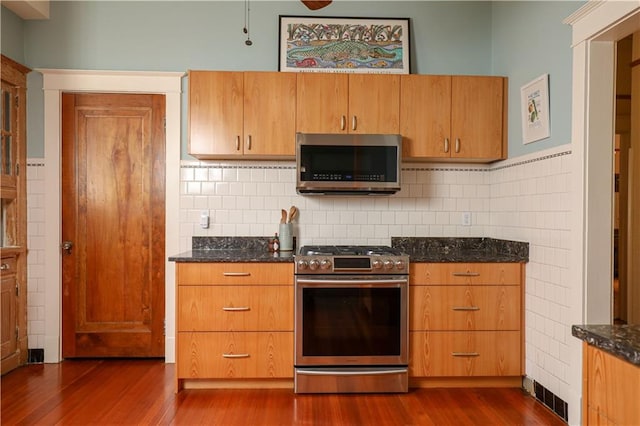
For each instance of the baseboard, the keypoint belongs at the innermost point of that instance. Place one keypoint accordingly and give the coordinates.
(35, 356)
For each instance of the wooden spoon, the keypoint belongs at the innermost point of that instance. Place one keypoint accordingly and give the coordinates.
(283, 217)
(293, 213)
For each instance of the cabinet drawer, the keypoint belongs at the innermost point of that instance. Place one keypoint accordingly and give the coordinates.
(9, 265)
(464, 308)
(464, 353)
(235, 355)
(229, 308)
(234, 273)
(465, 273)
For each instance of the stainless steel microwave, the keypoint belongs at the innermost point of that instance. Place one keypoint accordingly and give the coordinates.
(343, 164)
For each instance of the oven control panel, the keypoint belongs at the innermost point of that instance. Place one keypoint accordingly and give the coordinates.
(351, 264)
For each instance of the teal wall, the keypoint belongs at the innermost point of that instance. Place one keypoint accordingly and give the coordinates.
(528, 40)
(456, 37)
(12, 43)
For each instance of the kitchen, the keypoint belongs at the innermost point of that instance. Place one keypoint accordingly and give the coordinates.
(537, 178)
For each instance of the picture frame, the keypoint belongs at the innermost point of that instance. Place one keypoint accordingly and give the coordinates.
(344, 45)
(534, 101)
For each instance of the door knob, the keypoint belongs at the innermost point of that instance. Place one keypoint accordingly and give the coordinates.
(66, 246)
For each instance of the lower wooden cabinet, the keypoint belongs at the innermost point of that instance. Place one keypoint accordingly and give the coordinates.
(466, 322)
(610, 389)
(234, 324)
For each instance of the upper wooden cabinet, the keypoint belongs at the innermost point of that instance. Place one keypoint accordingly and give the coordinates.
(242, 115)
(453, 117)
(348, 103)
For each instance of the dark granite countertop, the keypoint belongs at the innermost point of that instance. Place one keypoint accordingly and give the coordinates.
(622, 341)
(231, 249)
(427, 249)
(255, 249)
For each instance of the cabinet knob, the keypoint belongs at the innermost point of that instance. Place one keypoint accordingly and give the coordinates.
(457, 145)
(446, 144)
(4, 266)
(66, 246)
(343, 122)
(354, 123)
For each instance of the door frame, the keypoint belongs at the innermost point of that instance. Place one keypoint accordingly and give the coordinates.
(56, 81)
(596, 27)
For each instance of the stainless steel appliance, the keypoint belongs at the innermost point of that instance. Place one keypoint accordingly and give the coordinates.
(345, 164)
(351, 319)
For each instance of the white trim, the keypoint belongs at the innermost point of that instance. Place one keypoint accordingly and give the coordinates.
(595, 28)
(54, 83)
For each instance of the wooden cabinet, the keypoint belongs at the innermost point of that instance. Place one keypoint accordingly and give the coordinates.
(234, 323)
(13, 218)
(248, 115)
(348, 103)
(466, 320)
(453, 117)
(610, 389)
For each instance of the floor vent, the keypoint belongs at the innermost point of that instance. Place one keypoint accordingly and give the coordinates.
(35, 356)
(552, 401)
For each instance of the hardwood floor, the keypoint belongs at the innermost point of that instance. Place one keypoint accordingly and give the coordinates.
(127, 392)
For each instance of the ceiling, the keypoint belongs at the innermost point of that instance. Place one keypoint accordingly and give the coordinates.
(28, 9)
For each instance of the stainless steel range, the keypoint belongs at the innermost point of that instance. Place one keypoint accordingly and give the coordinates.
(351, 319)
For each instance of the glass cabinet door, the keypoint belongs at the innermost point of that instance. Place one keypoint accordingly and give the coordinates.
(9, 125)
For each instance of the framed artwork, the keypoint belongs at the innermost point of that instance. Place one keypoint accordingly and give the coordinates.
(534, 100)
(349, 45)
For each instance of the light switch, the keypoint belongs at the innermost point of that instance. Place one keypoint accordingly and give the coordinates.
(204, 219)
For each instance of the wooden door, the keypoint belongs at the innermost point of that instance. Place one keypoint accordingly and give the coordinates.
(113, 208)
(478, 117)
(322, 102)
(425, 116)
(215, 114)
(374, 103)
(269, 114)
(9, 308)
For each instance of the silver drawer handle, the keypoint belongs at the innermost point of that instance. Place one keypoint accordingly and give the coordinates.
(465, 308)
(236, 274)
(235, 355)
(4, 266)
(240, 308)
(466, 274)
(465, 354)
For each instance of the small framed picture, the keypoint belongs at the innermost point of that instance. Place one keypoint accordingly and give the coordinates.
(349, 45)
(534, 98)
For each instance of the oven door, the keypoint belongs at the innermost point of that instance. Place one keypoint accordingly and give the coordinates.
(351, 321)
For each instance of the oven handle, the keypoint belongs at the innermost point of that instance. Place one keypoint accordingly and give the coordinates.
(355, 282)
(349, 373)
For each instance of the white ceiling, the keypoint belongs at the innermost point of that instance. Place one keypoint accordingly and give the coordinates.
(28, 9)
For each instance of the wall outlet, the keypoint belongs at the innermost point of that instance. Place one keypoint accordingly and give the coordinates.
(466, 219)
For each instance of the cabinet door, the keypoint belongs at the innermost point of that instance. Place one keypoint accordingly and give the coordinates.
(269, 114)
(9, 118)
(215, 114)
(425, 116)
(9, 307)
(478, 117)
(466, 273)
(322, 102)
(374, 103)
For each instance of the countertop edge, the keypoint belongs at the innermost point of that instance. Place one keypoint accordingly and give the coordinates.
(621, 341)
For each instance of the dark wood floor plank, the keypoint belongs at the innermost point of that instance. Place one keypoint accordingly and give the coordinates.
(140, 392)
